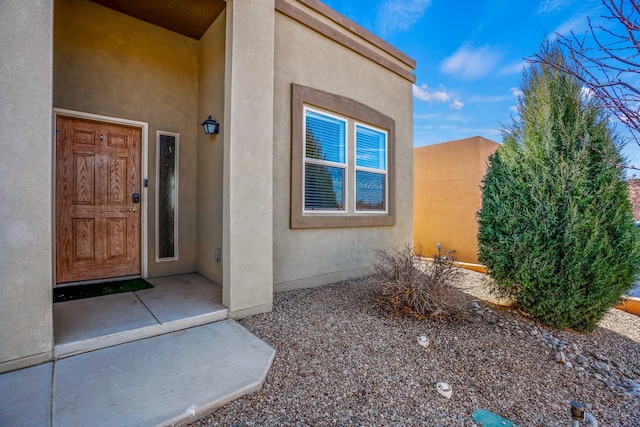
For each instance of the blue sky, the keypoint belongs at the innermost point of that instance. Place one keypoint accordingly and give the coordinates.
(469, 55)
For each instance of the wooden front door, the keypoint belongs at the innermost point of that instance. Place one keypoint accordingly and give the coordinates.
(97, 221)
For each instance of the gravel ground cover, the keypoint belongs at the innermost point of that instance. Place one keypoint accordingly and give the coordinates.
(340, 362)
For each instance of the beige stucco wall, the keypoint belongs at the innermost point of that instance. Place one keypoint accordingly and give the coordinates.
(211, 149)
(247, 252)
(26, 331)
(311, 257)
(110, 64)
(447, 195)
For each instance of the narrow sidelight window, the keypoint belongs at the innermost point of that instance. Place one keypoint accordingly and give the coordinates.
(167, 197)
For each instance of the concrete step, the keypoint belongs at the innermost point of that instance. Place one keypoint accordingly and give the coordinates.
(163, 380)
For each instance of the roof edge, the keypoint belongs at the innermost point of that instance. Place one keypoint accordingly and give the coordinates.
(360, 31)
(470, 139)
(344, 36)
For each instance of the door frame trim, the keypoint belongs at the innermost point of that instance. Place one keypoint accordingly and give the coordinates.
(144, 173)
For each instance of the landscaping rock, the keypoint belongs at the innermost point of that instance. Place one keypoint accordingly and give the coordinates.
(340, 362)
(560, 357)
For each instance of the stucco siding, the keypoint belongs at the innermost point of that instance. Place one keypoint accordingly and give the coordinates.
(308, 257)
(211, 150)
(110, 64)
(447, 195)
(26, 334)
(247, 253)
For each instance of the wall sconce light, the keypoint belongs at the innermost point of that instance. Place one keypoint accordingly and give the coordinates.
(211, 127)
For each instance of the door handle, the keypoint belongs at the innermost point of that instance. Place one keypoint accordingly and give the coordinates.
(133, 209)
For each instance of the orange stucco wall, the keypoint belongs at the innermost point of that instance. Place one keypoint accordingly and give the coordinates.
(447, 179)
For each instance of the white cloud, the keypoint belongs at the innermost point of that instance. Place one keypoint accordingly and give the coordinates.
(478, 99)
(451, 127)
(424, 93)
(458, 118)
(471, 63)
(396, 16)
(481, 99)
(423, 127)
(513, 68)
(516, 92)
(428, 116)
(577, 24)
(586, 93)
(551, 6)
(453, 117)
(456, 105)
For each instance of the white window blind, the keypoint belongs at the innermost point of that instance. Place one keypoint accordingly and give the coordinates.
(371, 148)
(371, 168)
(323, 187)
(325, 137)
(325, 162)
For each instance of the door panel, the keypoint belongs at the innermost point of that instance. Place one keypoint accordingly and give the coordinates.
(97, 225)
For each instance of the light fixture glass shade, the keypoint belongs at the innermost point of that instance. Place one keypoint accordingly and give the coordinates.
(210, 126)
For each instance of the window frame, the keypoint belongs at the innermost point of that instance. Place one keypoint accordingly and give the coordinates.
(303, 98)
(344, 166)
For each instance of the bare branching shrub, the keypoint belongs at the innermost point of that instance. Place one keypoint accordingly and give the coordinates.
(411, 286)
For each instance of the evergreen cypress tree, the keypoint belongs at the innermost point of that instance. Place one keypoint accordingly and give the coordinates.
(556, 228)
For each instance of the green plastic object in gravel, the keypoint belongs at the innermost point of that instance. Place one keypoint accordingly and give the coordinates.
(489, 419)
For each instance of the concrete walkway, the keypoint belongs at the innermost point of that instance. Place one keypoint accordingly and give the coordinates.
(167, 378)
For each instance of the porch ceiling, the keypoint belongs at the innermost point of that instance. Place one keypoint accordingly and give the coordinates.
(187, 17)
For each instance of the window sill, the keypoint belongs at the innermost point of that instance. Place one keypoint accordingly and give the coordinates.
(341, 220)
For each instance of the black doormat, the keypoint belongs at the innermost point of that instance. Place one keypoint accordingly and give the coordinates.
(68, 293)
